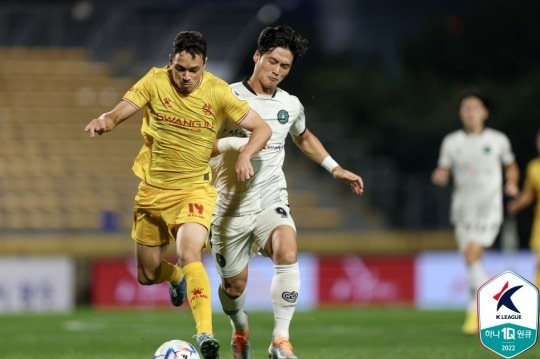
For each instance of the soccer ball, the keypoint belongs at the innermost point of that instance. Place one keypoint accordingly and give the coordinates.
(176, 349)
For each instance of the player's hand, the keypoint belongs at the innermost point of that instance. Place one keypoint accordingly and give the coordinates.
(440, 176)
(511, 189)
(243, 168)
(353, 180)
(97, 125)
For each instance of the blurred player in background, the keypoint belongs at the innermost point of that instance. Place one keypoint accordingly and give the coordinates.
(474, 156)
(185, 108)
(256, 212)
(530, 193)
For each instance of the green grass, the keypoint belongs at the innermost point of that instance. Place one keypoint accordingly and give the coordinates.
(351, 333)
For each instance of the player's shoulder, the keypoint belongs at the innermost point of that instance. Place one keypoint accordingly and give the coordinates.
(285, 97)
(158, 71)
(456, 135)
(240, 90)
(213, 80)
(493, 133)
(534, 164)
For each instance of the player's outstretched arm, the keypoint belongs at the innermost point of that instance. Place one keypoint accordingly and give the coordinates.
(260, 134)
(310, 145)
(109, 120)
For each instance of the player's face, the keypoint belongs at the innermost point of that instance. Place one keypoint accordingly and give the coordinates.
(473, 114)
(186, 70)
(272, 67)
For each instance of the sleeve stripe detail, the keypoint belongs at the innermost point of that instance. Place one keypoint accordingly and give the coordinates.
(131, 103)
(243, 117)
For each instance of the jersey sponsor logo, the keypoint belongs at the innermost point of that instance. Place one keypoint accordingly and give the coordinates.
(290, 297)
(283, 117)
(237, 133)
(207, 109)
(184, 122)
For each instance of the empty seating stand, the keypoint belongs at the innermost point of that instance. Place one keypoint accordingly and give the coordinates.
(52, 175)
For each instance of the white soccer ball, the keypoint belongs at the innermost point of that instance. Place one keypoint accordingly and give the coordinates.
(176, 349)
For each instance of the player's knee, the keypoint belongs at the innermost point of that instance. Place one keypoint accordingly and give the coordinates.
(235, 288)
(146, 277)
(286, 257)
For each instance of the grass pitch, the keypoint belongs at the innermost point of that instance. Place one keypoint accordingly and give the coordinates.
(350, 333)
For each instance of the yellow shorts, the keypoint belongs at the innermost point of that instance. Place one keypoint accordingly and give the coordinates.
(159, 212)
(535, 235)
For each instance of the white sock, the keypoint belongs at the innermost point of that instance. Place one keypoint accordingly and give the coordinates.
(476, 278)
(234, 308)
(285, 289)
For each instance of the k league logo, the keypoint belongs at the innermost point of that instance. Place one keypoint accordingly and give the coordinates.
(508, 314)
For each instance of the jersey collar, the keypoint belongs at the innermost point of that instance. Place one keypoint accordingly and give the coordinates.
(250, 89)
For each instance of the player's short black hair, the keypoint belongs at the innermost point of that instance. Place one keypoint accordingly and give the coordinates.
(191, 42)
(282, 36)
(476, 93)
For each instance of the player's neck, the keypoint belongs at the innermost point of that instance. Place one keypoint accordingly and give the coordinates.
(474, 131)
(258, 88)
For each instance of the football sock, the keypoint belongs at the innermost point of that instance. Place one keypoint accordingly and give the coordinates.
(476, 278)
(198, 288)
(169, 272)
(234, 309)
(284, 290)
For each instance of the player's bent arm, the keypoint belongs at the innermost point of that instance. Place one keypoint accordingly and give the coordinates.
(440, 176)
(310, 145)
(109, 120)
(525, 199)
(228, 144)
(511, 175)
(260, 133)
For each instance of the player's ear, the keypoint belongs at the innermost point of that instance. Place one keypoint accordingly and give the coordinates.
(256, 56)
(170, 59)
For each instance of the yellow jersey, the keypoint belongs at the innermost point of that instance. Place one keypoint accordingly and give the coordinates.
(532, 181)
(178, 129)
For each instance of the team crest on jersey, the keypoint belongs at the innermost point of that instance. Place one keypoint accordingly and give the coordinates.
(487, 149)
(207, 109)
(166, 102)
(283, 117)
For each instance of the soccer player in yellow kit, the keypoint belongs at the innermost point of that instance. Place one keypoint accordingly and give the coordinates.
(185, 107)
(530, 193)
